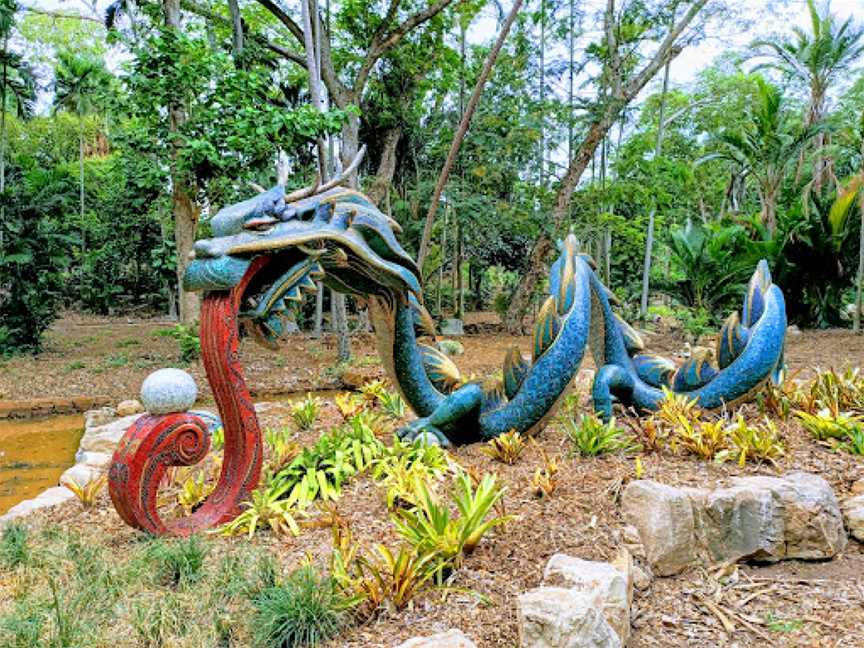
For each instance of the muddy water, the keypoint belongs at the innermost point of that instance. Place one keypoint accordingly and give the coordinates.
(33, 455)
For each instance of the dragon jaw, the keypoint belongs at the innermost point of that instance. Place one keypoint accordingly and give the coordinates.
(338, 237)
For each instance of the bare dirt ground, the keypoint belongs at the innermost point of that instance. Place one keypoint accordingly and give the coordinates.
(789, 604)
(99, 356)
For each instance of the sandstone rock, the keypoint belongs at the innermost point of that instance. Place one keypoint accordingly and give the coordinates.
(450, 639)
(104, 438)
(101, 416)
(608, 587)
(50, 497)
(853, 513)
(858, 487)
(129, 407)
(641, 578)
(665, 520)
(98, 460)
(755, 518)
(554, 617)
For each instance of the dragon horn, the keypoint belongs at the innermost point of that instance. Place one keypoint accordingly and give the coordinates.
(316, 187)
(257, 187)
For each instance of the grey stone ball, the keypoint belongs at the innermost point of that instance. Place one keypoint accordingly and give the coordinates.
(428, 439)
(168, 390)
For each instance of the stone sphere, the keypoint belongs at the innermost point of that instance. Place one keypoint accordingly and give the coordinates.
(168, 390)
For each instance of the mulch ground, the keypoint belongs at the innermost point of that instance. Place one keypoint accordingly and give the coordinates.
(789, 604)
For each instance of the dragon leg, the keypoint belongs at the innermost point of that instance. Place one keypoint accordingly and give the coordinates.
(454, 420)
(611, 380)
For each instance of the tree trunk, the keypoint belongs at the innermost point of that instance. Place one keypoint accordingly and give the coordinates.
(319, 310)
(340, 323)
(462, 130)
(3, 140)
(81, 198)
(386, 167)
(649, 238)
(184, 209)
(236, 31)
(859, 278)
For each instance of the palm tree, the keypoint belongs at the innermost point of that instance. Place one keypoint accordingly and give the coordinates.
(770, 140)
(78, 81)
(17, 86)
(815, 60)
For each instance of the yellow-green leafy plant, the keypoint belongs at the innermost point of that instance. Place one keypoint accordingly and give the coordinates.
(392, 403)
(217, 439)
(827, 424)
(653, 434)
(282, 448)
(675, 407)
(506, 447)
(373, 390)
(267, 507)
(780, 400)
(544, 483)
(193, 491)
(305, 412)
(705, 439)
(753, 442)
(854, 443)
(590, 436)
(431, 529)
(87, 493)
(839, 392)
(349, 404)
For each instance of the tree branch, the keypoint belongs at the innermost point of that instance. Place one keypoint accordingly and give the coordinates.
(284, 18)
(62, 16)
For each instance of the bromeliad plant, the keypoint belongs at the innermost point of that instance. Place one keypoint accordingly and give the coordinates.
(269, 508)
(753, 442)
(305, 412)
(403, 465)
(282, 448)
(505, 448)
(431, 529)
(89, 492)
(590, 436)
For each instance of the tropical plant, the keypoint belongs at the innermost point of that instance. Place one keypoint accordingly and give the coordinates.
(766, 147)
(590, 436)
(305, 412)
(705, 439)
(753, 442)
(349, 404)
(193, 491)
(544, 483)
(267, 507)
(854, 443)
(188, 342)
(506, 447)
(305, 610)
(282, 449)
(392, 403)
(87, 493)
(828, 425)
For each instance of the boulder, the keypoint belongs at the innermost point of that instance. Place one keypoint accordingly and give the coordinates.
(452, 328)
(754, 518)
(608, 586)
(556, 617)
(853, 514)
(129, 407)
(97, 460)
(664, 517)
(451, 639)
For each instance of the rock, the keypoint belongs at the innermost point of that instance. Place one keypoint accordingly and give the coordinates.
(450, 347)
(858, 487)
(755, 518)
(168, 390)
(664, 518)
(99, 460)
(555, 617)
(50, 497)
(641, 578)
(853, 514)
(104, 438)
(450, 639)
(452, 328)
(101, 416)
(793, 330)
(129, 407)
(608, 587)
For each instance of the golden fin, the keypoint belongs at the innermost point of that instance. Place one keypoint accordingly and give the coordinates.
(547, 327)
(632, 340)
(515, 369)
(440, 369)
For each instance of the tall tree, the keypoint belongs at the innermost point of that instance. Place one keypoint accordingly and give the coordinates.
(620, 81)
(467, 114)
(815, 60)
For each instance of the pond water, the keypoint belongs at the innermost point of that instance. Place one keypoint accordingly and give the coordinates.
(34, 453)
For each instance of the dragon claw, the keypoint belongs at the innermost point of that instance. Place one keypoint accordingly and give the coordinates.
(420, 430)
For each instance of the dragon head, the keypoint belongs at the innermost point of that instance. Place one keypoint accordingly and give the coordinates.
(337, 236)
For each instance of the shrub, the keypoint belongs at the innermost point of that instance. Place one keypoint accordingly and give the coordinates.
(754, 442)
(188, 342)
(306, 610)
(590, 437)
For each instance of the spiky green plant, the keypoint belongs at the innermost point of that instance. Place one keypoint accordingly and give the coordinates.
(589, 436)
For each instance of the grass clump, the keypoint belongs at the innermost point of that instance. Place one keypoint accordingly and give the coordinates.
(305, 610)
(178, 563)
(14, 550)
(506, 447)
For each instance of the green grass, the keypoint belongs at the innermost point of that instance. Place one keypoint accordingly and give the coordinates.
(305, 610)
(13, 546)
(178, 563)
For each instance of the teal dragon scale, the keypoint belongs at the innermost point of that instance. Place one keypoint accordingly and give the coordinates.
(340, 238)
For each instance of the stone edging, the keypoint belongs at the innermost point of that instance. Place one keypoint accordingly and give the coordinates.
(24, 409)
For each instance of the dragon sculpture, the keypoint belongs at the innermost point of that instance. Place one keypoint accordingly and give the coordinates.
(268, 251)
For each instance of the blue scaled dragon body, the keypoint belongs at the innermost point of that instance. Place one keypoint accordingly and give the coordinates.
(340, 238)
